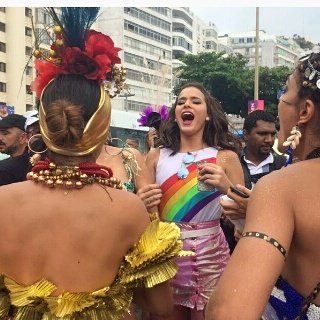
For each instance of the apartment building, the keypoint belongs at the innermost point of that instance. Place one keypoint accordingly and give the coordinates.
(273, 50)
(16, 48)
(145, 36)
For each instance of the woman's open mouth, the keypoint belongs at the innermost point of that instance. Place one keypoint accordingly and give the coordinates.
(187, 117)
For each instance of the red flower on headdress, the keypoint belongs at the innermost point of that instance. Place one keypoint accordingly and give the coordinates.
(45, 72)
(93, 63)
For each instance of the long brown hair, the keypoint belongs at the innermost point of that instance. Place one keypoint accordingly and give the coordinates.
(216, 131)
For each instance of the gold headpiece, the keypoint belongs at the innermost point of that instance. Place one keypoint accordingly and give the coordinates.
(94, 134)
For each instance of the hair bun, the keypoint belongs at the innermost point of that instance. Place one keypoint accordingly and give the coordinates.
(65, 123)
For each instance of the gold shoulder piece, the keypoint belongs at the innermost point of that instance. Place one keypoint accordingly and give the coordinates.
(150, 262)
(4, 299)
(24, 295)
(68, 303)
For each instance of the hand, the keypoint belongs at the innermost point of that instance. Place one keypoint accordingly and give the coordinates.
(151, 195)
(214, 175)
(152, 134)
(237, 208)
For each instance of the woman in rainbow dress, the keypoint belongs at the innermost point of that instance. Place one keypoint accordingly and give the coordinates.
(196, 164)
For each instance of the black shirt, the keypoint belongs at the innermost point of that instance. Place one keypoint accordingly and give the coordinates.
(14, 169)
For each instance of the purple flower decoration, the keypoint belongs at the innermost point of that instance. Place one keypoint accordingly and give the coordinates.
(164, 112)
(145, 114)
(151, 116)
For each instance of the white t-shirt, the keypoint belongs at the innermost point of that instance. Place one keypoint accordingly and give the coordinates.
(262, 167)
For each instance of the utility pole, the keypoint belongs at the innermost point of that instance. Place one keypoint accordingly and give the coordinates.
(256, 65)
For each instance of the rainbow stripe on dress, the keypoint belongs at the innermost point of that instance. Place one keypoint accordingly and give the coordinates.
(181, 200)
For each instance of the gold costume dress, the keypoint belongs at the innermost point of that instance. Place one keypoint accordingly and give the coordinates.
(149, 262)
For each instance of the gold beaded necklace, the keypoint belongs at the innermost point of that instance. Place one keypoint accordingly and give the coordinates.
(70, 177)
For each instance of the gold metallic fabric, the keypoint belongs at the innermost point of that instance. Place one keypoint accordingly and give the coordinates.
(148, 263)
(94, 134)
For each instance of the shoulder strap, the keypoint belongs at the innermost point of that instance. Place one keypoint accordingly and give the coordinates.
(279, 161)
(246, 172)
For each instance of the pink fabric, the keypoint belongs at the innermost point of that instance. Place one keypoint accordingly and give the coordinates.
(198, 275)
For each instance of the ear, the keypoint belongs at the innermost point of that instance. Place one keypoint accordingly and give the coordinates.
(23, 138)
(306, 112)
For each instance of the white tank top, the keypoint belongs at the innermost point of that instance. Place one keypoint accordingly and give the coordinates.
(181, 200)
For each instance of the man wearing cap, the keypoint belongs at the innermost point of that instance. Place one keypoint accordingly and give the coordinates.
(13, 141)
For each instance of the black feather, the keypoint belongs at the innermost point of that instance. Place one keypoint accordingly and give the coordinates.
(76, 22)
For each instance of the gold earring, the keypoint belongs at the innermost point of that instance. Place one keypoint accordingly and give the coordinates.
(29, 143)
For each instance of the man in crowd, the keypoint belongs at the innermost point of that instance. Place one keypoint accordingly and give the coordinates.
(13, 141)
(258, 157)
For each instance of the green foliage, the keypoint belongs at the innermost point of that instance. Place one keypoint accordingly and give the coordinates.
(225, 76)
(302, 42)
(230, 81)
(270, 79)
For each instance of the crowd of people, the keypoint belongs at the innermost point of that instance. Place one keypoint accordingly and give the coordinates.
(203, 226)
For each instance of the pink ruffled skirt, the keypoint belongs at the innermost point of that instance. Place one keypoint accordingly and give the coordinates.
(198, 275)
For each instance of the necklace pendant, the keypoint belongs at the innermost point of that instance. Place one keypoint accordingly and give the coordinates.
(182, 172)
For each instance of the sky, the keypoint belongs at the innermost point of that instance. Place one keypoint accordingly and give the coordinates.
(278, 21)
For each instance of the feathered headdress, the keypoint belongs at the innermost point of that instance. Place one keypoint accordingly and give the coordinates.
(152, 116)
(78, 50)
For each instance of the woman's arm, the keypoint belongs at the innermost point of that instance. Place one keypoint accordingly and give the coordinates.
(151, 193)
(143, 176)
(255, 265)
(157, 300)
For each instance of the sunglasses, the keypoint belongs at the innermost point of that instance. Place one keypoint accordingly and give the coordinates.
(188, 158)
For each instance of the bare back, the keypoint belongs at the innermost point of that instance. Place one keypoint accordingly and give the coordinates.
(75, 240)
(302, 268)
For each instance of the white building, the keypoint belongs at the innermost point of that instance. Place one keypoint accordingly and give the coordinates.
(190, 35)
(145, 36)
(152, 39)
(273, 50)
(16, 60)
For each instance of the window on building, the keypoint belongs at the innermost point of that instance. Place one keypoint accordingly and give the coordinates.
(28, 31)
(147, 17)
(3, 87)
(164, 11)
(2, 9)
(2, 47)
(2, 27)
(135, 105)
(241, 40)
(28, 89)
(146, 32)
(28, 12)
(28, 71)
(28, 51)
(2, 67)
(157, 52)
